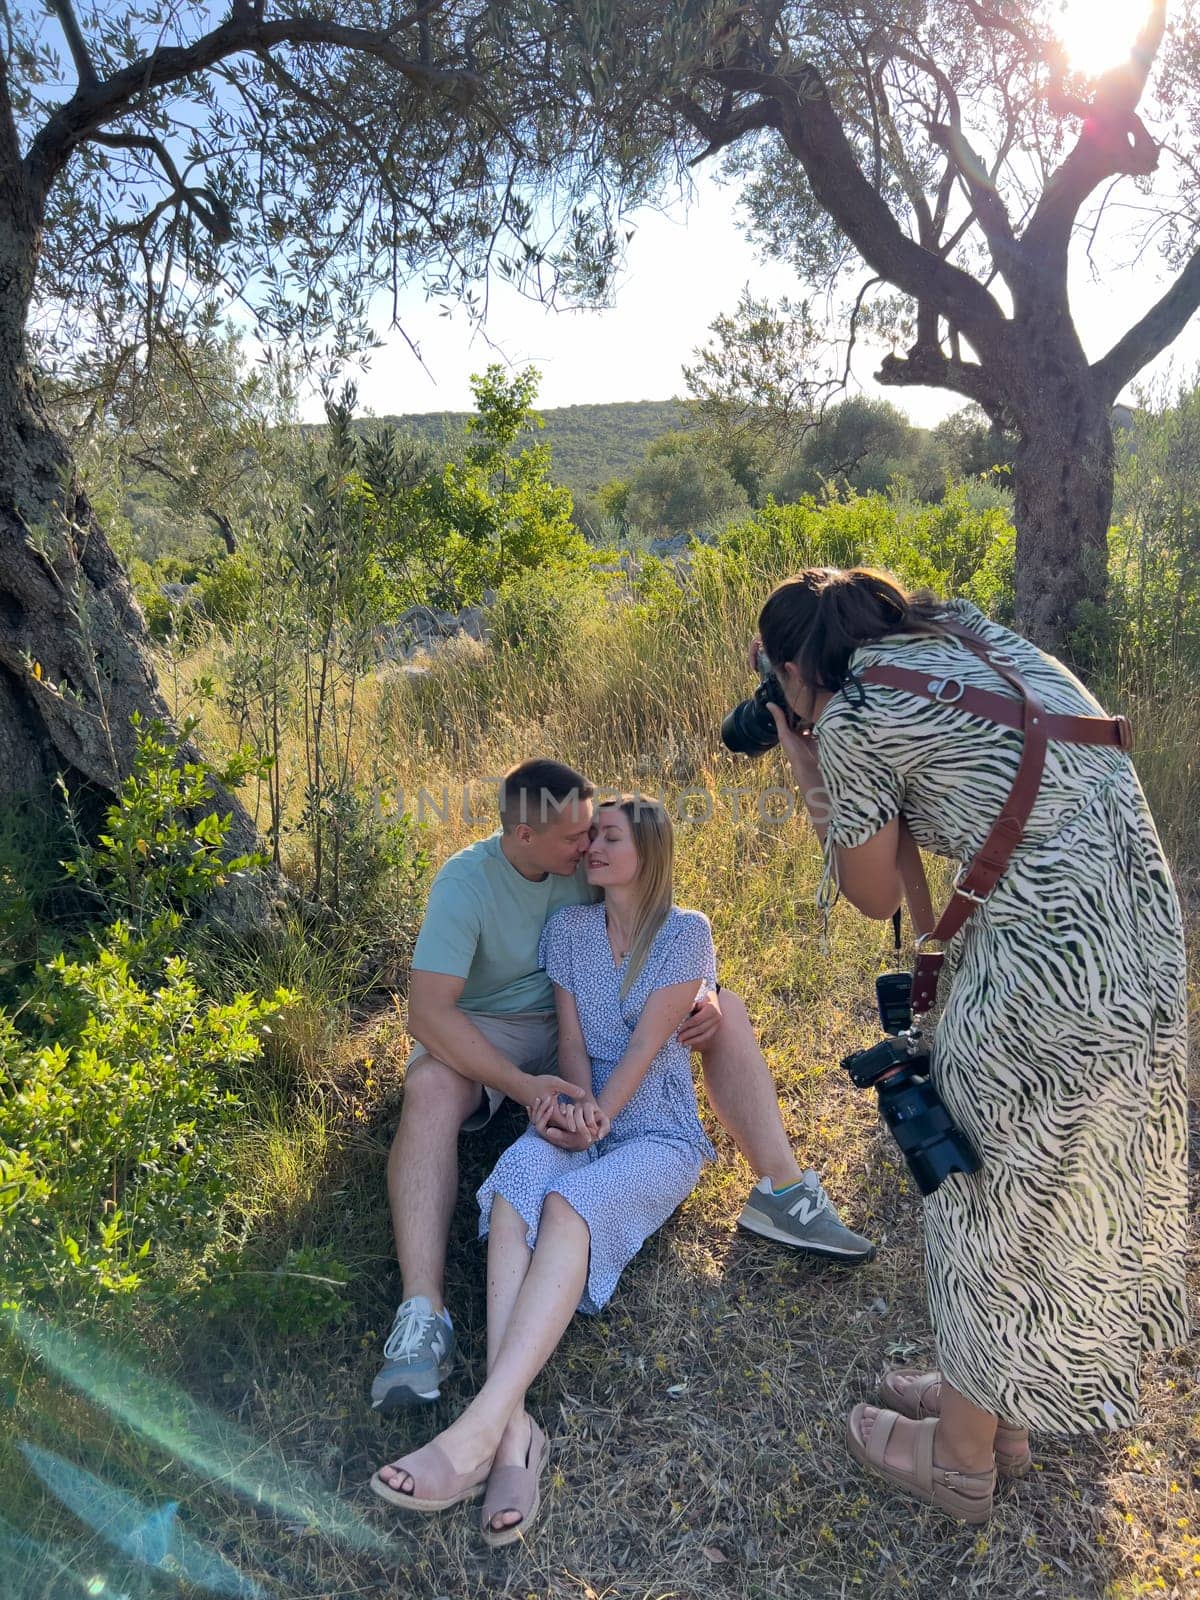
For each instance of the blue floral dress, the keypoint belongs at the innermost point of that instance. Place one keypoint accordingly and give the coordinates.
(627, 1185)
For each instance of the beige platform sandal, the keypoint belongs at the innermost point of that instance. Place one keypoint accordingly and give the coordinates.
(436, 1482)
(921, 1397)
(967, 1496)
(515, 1489)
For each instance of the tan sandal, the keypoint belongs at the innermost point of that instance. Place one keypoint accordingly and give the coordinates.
(921, 1397)
(964, 1495)
(515, 1489)
(441, 1484)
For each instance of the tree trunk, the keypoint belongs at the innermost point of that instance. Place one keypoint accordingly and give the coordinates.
(75, 660)
(1063, 494)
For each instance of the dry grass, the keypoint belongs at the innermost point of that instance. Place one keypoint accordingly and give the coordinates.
(697, 1424)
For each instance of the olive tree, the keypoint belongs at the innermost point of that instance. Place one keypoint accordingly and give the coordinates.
(294, 160)
(938, 165)
(933, 161)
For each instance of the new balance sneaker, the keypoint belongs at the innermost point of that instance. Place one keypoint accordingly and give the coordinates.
(418, 1355)
(802, 1216)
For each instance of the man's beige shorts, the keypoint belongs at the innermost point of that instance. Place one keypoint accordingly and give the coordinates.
(528, 1038)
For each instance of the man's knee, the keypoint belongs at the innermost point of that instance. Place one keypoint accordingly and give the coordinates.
(733, 1040)
(733, 1012)
(434, 1091)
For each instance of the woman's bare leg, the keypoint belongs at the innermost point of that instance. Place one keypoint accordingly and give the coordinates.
(508, 1263)
(966, 1434)
(537, 1317)
(1015, 1439)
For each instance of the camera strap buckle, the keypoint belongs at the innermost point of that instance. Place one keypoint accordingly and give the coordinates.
(970, 894)
(946, 690)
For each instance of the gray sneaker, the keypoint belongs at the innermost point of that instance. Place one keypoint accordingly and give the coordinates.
(417, 1355)
(803, 1217)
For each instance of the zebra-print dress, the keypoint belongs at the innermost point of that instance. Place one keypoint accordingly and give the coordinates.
(1060, 1047)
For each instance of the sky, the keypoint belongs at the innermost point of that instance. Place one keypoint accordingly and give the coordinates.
(684, 267)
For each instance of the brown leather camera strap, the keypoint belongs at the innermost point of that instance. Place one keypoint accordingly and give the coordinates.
(979, 877)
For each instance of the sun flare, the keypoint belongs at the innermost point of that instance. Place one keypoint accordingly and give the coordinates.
(1096, 34)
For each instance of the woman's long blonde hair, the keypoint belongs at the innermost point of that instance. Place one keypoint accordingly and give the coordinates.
(654, 841)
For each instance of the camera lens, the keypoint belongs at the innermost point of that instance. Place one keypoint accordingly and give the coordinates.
(749, 729)
(912, 1109)
(930, 1142)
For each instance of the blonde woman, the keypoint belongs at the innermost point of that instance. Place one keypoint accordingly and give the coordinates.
(576, 1197)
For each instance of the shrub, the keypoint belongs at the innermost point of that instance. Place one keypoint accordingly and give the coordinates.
(227, 591)
(295, 1301)
(161, 853)
(112, 1121)
(962, 545)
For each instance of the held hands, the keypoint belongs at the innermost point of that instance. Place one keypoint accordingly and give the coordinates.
(572, 1126)
(550, 1087)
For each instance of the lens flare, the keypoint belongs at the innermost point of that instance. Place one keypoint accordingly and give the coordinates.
(28, 1566)
(151, 1535)
(1096, 34)
(198, 1438)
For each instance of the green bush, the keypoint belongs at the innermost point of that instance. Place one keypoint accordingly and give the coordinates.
(227, 591)
(295, 1301)
(377, 872)
(162, 852)
(962, 545)
(113, 1119)
(30, 873)
(541, 614)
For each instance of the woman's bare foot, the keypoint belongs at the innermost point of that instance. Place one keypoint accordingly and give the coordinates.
(1012, 1442)
(902, 1446)
(512, 1451)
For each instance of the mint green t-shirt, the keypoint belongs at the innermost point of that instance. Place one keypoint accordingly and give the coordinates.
(483, 923)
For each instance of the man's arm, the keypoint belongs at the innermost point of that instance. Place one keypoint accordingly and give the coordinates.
(435, 1020)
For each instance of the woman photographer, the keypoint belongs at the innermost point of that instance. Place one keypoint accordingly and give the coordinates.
(1061, 1042)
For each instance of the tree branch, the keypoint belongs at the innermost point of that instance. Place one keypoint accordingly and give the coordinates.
(10, 144)
(1114, 140)
(98, 103)
(1148, 337)
(76, 44)
(721, 131)
(802, 113)
(926, 365)
(206, 206)
(982, 192)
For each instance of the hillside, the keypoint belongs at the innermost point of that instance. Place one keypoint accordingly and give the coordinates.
(590, 443)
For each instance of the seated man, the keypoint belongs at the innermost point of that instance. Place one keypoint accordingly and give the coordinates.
(482, 1012)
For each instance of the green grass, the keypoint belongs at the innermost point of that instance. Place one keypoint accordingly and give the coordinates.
(697, 1425)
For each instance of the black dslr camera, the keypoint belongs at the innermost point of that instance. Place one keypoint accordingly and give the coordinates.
(749, 729)
(898, 1070)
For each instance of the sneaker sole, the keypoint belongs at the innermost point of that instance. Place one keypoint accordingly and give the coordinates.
(399, 1397)
(402, 1395)
(768, 1230)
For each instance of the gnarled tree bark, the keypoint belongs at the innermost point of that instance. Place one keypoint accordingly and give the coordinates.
(75, 661)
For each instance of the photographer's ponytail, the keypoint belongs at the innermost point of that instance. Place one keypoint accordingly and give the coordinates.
(819, 618)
